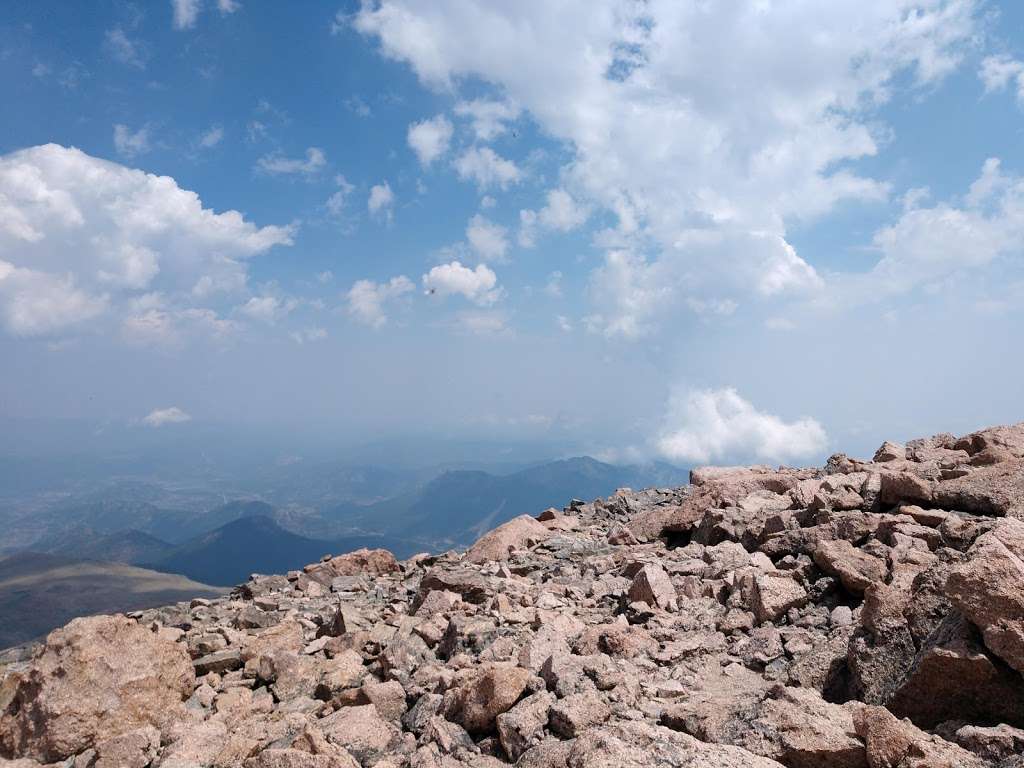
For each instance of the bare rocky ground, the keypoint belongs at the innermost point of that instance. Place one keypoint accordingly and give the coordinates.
(861, 615)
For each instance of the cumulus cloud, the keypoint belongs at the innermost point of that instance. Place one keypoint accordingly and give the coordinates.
(267, 309)
(130, 144)
(489, 118)
(696, 164)
(277, 164)
(486, 168)
(488, 240)
(479, 285)
(562, 213)
(80, 236)
(429, 139)
(161, 416)
(718, 425)
(381, 201)
(367, 299)
(932, 244)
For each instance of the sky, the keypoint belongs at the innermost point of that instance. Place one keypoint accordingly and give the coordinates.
(699, 232)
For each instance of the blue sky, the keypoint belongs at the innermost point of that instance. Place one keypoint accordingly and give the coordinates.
(747, 230)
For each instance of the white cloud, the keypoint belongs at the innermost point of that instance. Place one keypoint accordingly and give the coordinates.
(367, 299)
(489, 118)
(130, 144)
(34, 303)
(80, 236)
(277, 164)
(381, 201)
(696, 163)
(562, 212)
(479, 285)
(486, 168)
(211, 137)
(998, 72)
(161, 416)
(324, 277)
(928, 245)
(337, 202)
(718, 425)
(228, 6)
(487, 239)
(267, 309)
(429, 139)
(564, 324)
(123, 48)
(185, 13)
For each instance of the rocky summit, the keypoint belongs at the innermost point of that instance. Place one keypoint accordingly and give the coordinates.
(866, 614)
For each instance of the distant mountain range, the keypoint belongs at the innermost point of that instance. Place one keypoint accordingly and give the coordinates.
(39, 592)
(458, 506)
(250, 545)
(172, 531)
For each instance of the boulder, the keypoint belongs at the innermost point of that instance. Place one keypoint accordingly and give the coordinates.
(988, 588)
(490, 692)
(652, 585)
(517, 533)
(95, 679)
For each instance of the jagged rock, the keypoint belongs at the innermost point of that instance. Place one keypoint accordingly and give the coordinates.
(988, 588)
(96, 678)
(953, 677)
(360, 730)
(772, 594)
(523, 531)
(523, 725)
(857, 570)
(492, 691)
(652, 585)
(892, 743)
(572, 716)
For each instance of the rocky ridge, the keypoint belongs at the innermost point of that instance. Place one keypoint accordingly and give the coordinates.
(866, 614)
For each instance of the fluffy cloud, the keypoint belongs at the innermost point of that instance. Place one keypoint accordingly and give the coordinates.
(696, 163)
(562, 213)
(367, 299)
(998, 72)
(486, 168)
(489, 118)
(931, 244)
(161, 416)
(276, 164)
(381, 201)
(80, 236)
(488, 240)
(714, 425)
(478, 285)
(267, 309)
(129, 144)
(429, 139)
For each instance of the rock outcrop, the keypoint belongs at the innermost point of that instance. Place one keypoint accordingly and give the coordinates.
(866, 614)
